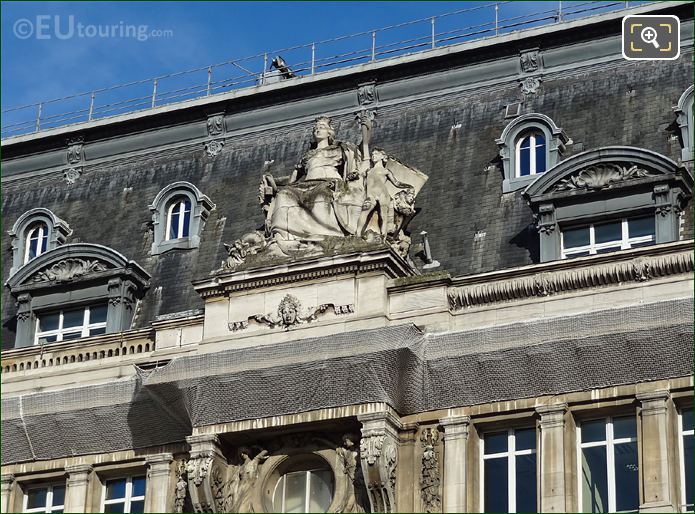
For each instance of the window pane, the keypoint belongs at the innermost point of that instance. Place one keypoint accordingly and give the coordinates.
(48, 339)
(495, 443)
(36, 498)
(687, 417)
(575, 237)
(496, 488)
(526, 142)
(44, 241)
(641, 227)
(115, 489)
(626, 477)
(688, 459)
(186, 218)
(97, 314)
(526, 483)
(524, 162)
(74, 318)
(58, 495)
(320, 494)
(137, 506)
(295, 491)
(624, 427)
(49, 322)
(525, 439)
(174, 228)
(114, 507)
(578, 254)
(540, 154)
(138, 486)
(72, 335)
(608, 249)
(277, 495)
(57, 511)
(594, 431)
(594, 479)
(97, 331)
(608, 232)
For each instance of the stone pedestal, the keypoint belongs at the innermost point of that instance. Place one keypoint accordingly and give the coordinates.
(656, 479)
(159, 483)
(553, 487)
(379, 458)
(455, 458)
(76, 492)
(6, 484)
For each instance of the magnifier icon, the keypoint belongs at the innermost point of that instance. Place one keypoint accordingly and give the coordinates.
(648, 35)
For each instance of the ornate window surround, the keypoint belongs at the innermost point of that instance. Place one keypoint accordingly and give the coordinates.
(200, 210)
(684, 112)
(74, 275)
(555, 140)
(608, 183)
(58, 232)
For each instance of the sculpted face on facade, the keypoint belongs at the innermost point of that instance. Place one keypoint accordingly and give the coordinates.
(338, 194)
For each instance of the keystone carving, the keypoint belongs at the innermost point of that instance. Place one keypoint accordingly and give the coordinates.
(429, 474)
(601, 176)
(68, 269)
(339, 196)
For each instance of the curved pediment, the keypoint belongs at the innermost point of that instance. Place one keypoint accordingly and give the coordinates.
(72, 262)
(604, 168)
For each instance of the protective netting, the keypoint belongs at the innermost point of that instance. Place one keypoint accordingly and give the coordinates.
(397, 365)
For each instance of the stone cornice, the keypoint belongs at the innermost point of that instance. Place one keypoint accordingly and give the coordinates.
(628, 266)
(384, 261)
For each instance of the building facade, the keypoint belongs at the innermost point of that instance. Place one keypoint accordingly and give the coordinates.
(463, 285)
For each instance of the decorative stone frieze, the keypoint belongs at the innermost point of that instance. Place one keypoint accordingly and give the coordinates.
(640, 268)
(429, 472)
(68, 269)
(379, 457)
(602, 176)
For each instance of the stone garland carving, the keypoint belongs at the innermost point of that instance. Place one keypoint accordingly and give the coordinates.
(214, 147)
(530, 85)
(72, 174)
(549, 283)
(529, 61)
(68, 269)
(340, 196)
(429, 475)
(601, 176)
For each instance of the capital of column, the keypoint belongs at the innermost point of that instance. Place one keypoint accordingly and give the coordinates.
(78, 474)
(204, 445)
(159, 464)
(455, 427)
(6, 481)
(552, 415)
(653, 402)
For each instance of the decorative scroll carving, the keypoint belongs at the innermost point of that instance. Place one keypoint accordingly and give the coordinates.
(530, 85)
(636, 270)
(601, 176)
(429, 475)
(216, 125)
(340, 196)
(290, 313)
(379, 457)
(366, 94)
(72, 174)
(529, 61)
(68, 269)
(344, 309)
(181, 487)
(75, 150)
(214, 147)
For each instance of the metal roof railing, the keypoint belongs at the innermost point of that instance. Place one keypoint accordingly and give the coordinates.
(304, 60)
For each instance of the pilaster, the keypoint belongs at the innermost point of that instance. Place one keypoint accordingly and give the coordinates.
(77, 486)
(553, 487)
(160, 486)
(7, 482)
(455, 458)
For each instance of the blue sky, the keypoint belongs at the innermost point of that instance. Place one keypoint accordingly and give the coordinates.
(60, 62)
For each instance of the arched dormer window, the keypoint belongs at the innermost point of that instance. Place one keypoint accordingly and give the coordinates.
(179, 213)
(34, 233)
(178, 218)
(529, 145)
(530, 154)
(684, 111)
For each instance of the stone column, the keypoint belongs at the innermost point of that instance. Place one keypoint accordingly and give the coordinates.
(656, 479)
(455, 452)
(76, 492)
(553, 489)
(6, 483)
(160, 486)
(379, 458)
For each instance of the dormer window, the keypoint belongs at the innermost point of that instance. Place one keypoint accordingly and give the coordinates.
(34, 233)
(530, 154)
(529, 145)
(179, 213)
(71, 324)
(608, 237)
(36, 241)
(179, 218)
